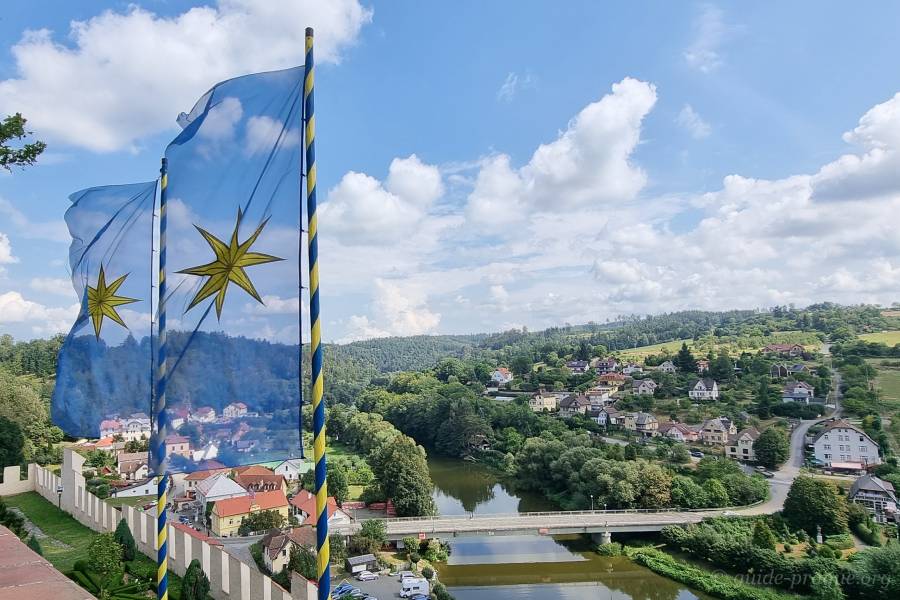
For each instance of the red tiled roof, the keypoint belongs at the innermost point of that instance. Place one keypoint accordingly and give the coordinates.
(197, 534)
(253, 470)
(177, 439)
(305, 502)
(201, 475)
(242, 505)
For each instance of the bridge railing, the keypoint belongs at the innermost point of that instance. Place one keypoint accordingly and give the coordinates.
(551, 513)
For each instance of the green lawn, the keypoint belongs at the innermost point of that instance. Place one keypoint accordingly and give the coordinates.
(890, 338)
(336, 449)
(642, 351)
(888, 379)
(132, 501)
(355, 492)
(67, 539)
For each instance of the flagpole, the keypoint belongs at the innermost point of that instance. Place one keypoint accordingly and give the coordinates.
(317, 385)
(162, 574)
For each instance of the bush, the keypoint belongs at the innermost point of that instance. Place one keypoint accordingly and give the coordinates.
(439, 592)
(104, 555)
(414, 557)
(869, 533)
(35, 545)
(126, 540)
(788, 548)
(428, 573)
(841, 541)
(610, 549)
(194, 585)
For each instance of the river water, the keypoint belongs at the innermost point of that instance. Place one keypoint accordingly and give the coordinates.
(530, 567)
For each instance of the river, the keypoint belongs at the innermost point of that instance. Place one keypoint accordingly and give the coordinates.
(530, 567)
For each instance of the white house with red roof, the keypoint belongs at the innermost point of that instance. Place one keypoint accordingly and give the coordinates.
(303, 506)
(235, 410)
(204, 414)
(501, 375)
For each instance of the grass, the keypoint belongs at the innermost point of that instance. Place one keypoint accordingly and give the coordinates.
(355, 492)
(890, 338)
(888, 380)
(643, 351)
(67, 540)
(336, 449)
(131, 501)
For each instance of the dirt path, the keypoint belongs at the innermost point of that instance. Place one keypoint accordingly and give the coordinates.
(36, 531)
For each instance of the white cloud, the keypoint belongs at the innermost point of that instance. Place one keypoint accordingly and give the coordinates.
(14, 308)
(402, 308)
(51, 231)
(6, 253)
(693, 123)
(53, 285)
(512, 85)
(710, 30)
(263, 132)
(126, 75)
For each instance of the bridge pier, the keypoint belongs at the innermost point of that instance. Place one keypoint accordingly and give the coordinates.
(601, 537)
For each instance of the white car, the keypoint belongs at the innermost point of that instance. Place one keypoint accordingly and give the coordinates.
(366, 576)
(405, 575)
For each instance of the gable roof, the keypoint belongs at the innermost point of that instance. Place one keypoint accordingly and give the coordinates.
(842, 424)
(706, 382)
(219, 485)
(870, 483)
(305, 502)
(750, 432)
(201, 475)
(253, 470)
(245, 480)
(242, 505)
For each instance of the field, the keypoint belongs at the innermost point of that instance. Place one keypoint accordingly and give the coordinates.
(890, 338)
(133, 501)
(888, 379)
(641, 352)
(67, 540)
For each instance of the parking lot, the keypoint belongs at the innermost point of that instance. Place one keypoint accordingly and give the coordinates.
(386, 586)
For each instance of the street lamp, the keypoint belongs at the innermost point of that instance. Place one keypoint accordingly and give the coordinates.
(604, 507)
(592, 503)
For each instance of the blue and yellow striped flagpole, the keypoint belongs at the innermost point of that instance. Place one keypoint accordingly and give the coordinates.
(162, 422)
(323, 551)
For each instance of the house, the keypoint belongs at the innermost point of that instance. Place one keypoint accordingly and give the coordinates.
(643, 387)
(717, 431)
(133, 466)
(792, 350)
(797, 368)
(204, 414)
(277, 545)
(704, 389)
(798, 391)
(245, 445)
(572, 405)
(303, 506)
(217, 487)
(501, 375)
(702, 365)
(178, 444)
(578, 367)
(191, 480)
(365, 562)
(145, 487)
(293, 469)
(259, 479)
(632, 368)
(778, 370)
(599, 397)
(845, 446)
(543, 402)
(667, 367)
(646, 424)
(207, 452)
(227, 515)
(178, 417)
(678, 431)
(606, 365)
(740, 445)
(613, 379)
(235, 410)
(133, 427)
(606, 416)
(877, 496)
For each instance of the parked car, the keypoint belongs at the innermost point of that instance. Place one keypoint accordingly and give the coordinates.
(696, 454)
(768, 474)
(366, 576)
(405, 575)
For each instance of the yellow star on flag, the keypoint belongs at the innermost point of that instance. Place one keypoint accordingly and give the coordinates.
(102, 301)
(231, 259)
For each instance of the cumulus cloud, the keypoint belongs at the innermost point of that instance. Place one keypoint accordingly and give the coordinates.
(703, 53)
(44, 320)
(103, 91)
(692, 122)
(53, 285)
(263, 132)
(51, 231)
(401, 308)
(6, 253)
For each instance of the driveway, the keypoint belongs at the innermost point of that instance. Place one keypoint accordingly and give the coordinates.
(382, 588)
(239, 547)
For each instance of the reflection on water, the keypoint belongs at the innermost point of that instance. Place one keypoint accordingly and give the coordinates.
(530, 567)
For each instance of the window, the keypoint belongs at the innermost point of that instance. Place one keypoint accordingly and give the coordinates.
(861, 439)
(827, 456)
(863, 449)
(828, 446)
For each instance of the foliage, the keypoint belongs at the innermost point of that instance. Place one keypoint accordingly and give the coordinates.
(875, 574)
(35, 545)
(105, 555)
(303, 561)
(375, 529)
(338, 483)
(772, 447)
(11, 443)
(610, 549)
(841, 541)
(12, 520)
(361, 544)
(12, 128)
(439, 592)
(110, 586)
(124, 538)
(825, 586)
(814, 502)
(261, 521)
(338, 547)
(763, 536)
(428, 573)
(194, 584)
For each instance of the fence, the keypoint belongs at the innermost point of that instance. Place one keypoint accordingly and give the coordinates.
(230, 579)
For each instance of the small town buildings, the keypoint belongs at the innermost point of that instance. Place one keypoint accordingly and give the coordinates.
(702, 365)
(277, 545)
(717, 431)
(877, 496)
(218, 487)
(178, 444)
(704, 389)
(612, 379)
(227, 515)
(541, 401)
(797, 368)
(293, 469)
(778, 370)
(204, 414)
(303, 506)
(501, 376)
(844, 446)
(645, 424)
(740, 445)
(235, 410)
(643, 387)
(133, 466)
(606, 365)
(574, 404)
(364, 562)
(678, 431)
(191, 480)
(259, 479)
(606, 416)
(632, 368)
(578, 367)
(798, 391)
(207, 452)
(130, 428)
(667, 367)
(791, 350)
(145, 487)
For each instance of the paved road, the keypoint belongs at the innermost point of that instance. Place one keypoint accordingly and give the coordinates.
(239, 547)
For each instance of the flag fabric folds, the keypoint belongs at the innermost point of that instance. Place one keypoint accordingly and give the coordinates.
(232, 274)
(103, 376)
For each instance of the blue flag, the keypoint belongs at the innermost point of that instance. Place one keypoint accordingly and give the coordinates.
(233, 302)
(103, 377)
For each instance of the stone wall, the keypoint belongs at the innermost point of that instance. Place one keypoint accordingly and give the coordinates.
(229, 578)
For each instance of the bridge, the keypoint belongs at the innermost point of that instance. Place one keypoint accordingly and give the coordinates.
(602, 523)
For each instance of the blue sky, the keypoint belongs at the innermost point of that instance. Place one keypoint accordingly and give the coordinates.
(502, 164)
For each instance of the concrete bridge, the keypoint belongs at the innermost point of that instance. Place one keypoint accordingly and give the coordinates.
(601, 523)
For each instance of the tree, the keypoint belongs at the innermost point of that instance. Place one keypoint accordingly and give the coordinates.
(303, 561)
(811, 502)
(104, 555)
(772, 447)
(632, 451)
(716, 494)
(521, 364)
(410, 544)
(126, 540)
(825, 586)
(11, 443)
(361, 544)
(763, 536)
(684, 360)
(261, 521)
(13, 129)
(375, 529)
(338, 483)
(194, 584)
(764, 399)
(35, 545)
(338, 547)
(876, 573)
(680, 454)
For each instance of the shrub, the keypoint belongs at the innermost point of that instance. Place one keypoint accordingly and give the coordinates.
(841, 541)
(788, 548)
(104, 555)
(610, 549)
(35, 545)
(194, 585)
(428, 573)
(126, 540)
(414, 557)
